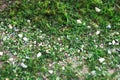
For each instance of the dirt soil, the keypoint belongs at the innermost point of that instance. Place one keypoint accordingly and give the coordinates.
(3, 5)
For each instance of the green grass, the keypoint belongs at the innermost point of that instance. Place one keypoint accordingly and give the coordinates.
(69, 50)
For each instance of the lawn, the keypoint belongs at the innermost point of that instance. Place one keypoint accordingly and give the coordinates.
(60, 40)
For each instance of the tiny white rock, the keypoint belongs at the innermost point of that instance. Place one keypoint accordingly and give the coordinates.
(25, 39)
(113, 42)
(35, 42)
(23, 60)
(88, 27)
(11, 59)
(1, 53)
(98, 32)
(28, 21)
(10, 26)
(24, 65)
(57, 78)
(50, 71)
(27, 57)
(39, 54)
(109, 51)
(78, 51)
(79, 21)
(4, 38)
(30, 45)
(93, 72)
(59, 39)
(20, 35)
(108, 26)
(97, 9)
(109, 43)
(101, 60)
(63, 68)
(7, 79)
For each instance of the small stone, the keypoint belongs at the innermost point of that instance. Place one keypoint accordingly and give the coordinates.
(25, 39)
(110, 43)
(50, 71)
(11, 59)
(98, 32)
(28, 21)
(1, 53)
(101, 60)
(23, 65)
(6, 78)
(39, 54)
(27, 57)
(109, 51)
(79, 21)
(23, 60)
(10, 26)
(90, 55)
(113, 42)
(5, 38)
(96, 46)
(88, 27)
(78, 51)
(108, 26)
(63, 68)
(97, 9)
(93, 72)
(30, 45)
(34, 42)
(59, 39)
(57, 78)
(20, 35)
(101, 45)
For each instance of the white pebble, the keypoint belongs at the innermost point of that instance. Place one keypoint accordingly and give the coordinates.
(101, 45)
(97, 9)
(88, 27)
(10, 26)
(30, 45)
(27, 57)
(57, 78)
(108, 26)
(98, 32)
(11, 59)
(110, 43)
(24, 65)
(109, 51)
(59, 39)
(113, 42)
(25, 39)
(20, 35)
(79, 21)
(7, 79)
(93, 72)
(39, 54)
(5, 38)
(1, 53)
(101, 60)
(23, 60)
(78, 51)
(63, 68)
(28, 21)
(34, 42)
(50, 71)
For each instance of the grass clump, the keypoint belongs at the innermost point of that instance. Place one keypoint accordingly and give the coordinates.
(60, 40)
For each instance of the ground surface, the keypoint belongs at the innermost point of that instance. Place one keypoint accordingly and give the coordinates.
(60, 40)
